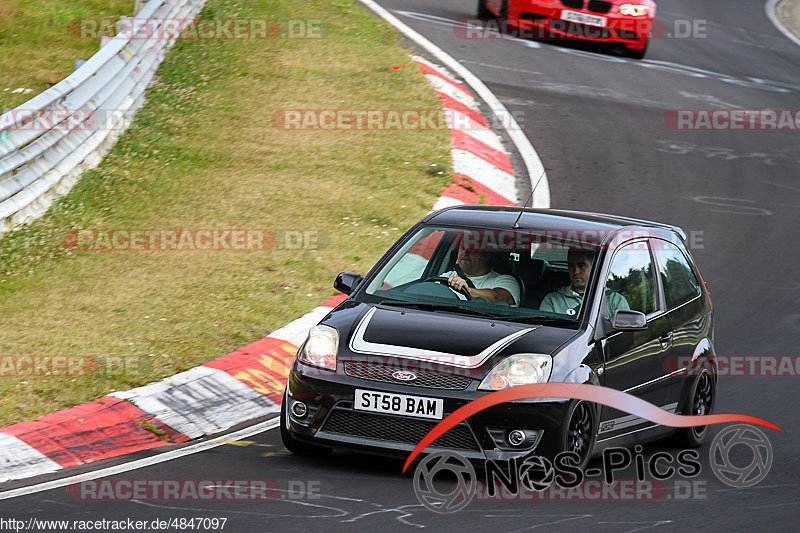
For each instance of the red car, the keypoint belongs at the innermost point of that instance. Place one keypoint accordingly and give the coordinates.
(627, 22)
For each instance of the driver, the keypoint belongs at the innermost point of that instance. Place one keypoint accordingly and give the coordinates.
(489, 284)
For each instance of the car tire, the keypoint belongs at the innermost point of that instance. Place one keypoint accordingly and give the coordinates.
(483, 11)
(294, 445)
(504, 10)
(700, 401)
(579, 431)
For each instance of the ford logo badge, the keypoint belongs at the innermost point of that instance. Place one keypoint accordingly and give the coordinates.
(404, 375)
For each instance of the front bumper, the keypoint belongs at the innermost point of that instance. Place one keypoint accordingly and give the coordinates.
(332, 421)
(538, 20)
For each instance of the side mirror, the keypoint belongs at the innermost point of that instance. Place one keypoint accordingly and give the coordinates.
(625, 320)
(347, 282)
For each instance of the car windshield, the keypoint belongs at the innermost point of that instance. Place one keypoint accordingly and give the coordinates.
(524, 275)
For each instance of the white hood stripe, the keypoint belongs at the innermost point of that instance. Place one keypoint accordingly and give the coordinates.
(359, 345)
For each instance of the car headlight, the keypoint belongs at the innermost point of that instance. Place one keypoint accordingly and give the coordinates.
(521, 369)
(321, 347)
(634, 10)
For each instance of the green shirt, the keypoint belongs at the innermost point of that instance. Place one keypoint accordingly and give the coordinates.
(566, 301)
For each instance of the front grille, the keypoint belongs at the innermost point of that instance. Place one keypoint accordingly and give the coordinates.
(396, 429)
(580, 30)
(425, 378)
(527, 15)
(574, 4)
(599, 6)
(628, 35)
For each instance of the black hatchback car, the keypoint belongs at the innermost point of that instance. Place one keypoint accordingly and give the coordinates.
(475, 299)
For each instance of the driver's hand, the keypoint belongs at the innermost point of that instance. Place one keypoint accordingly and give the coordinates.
(456, 282)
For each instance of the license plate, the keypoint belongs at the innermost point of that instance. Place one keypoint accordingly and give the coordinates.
(399, 404)
(584, 18)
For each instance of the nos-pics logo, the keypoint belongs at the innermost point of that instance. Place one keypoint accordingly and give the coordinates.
(458, 478)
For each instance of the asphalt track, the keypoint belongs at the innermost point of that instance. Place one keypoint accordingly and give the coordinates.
(597, 121)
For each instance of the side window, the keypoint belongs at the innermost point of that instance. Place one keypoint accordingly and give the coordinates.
(677, 276)
(631, 281)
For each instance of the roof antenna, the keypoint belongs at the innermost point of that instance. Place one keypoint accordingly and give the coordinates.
(522, 209)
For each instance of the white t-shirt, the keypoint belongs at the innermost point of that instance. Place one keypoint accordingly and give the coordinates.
(492, 280)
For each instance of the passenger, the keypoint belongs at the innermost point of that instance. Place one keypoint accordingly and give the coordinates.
(568, 300)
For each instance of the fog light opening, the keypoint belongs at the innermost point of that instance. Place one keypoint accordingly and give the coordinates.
(516, 437)
(299, 409)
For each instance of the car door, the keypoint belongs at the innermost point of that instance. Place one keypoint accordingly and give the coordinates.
(634, 360)
(686, 309)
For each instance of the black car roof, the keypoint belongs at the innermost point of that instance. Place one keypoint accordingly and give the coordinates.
(499, 217)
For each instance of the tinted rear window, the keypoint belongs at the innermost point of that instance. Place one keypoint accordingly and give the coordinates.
(677, 276)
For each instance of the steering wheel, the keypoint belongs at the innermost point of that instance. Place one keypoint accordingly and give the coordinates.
(445, 281)
(463, 276)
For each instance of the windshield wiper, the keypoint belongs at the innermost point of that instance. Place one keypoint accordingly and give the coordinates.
(538, 318)
(439, 307)
(476, 312)
(414, 305)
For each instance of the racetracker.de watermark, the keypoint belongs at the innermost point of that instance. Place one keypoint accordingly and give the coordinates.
(27, 366)
(633, 29)
(194, 490)
(390, 120)
(21, 119)
(186, 28)
(598, 490)
(733, 119)
(758, 366)
(70, 366)
(590, 240)
(426, 367)
(193, 240)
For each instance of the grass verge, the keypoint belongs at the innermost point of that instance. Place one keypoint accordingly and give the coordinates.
(203, 154)
(36, 46)
(789, 13)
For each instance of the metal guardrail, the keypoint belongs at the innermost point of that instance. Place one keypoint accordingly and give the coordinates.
(47, 142)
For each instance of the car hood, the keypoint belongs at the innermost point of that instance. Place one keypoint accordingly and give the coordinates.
(439, 337)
